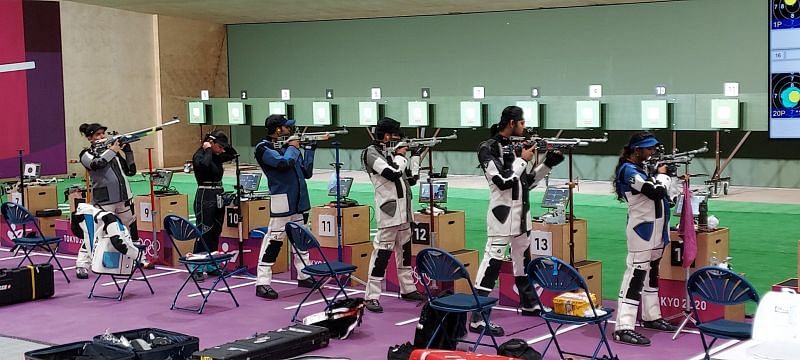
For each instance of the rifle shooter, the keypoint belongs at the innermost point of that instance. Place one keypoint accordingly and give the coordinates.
(133, 136)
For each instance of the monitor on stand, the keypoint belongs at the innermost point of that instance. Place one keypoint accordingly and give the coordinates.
(696, 200)
(250, 183)
(437, 189)
(345, 184)
(555, 199)
(161, 182)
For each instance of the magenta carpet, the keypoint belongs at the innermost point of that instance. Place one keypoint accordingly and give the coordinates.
(70, 316)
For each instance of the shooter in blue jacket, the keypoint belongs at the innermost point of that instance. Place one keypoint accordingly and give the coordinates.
(286, 169)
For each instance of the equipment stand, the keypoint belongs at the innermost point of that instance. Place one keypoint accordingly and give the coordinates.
(337, 167)
(237, 205)
(687, 310)
(571, 185)
(153, 211)
(21, 179)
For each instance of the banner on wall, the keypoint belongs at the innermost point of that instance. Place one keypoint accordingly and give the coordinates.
(31, 87)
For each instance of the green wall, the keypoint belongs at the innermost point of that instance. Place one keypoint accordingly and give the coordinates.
(691, 47)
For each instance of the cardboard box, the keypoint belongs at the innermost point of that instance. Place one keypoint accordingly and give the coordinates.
(448, 232)
(469, 258)
(165, 205)
(37, 198)
(355, 254)
(255, 214)
(251, 252)
(558, 244)
(48, 225)
(591, 270)
(173, 256)
(672, 297)
(709, 244)
(355, 225)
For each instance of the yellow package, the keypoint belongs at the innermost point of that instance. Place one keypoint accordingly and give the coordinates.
(573, 304)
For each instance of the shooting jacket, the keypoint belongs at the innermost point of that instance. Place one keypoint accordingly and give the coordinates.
(510, 180)
(286, 170)
(392, 177)
(108, 172)
(648, 206)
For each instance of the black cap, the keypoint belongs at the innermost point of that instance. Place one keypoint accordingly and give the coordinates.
(89, 130)
(274, 121)
(387, 125)
(218, 137)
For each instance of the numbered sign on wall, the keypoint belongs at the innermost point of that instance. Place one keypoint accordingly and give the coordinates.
(418, 113)
(321, 112)
(368, 113)
(541, 243)
(326, 225)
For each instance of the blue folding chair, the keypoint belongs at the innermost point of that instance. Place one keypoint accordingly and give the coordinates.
(439, 265)
(724, 287)
(17, 215)
(303, 240)
(125, 278)
(180, 229)
(554, 275)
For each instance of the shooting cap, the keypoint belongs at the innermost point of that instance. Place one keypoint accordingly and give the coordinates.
(89, 130)
(274, 121)
(387, 125)
(643, 140)
(218, 137)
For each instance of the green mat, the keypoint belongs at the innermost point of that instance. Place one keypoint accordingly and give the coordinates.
(763, 241)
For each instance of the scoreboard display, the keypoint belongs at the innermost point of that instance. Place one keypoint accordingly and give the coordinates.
(784, 69)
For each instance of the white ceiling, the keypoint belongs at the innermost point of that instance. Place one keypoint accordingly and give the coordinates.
(260, 11)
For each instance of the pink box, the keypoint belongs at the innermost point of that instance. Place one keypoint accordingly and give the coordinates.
(6, 235)
(158, 251)
(250, 248)
(672, 297)
(391, 283)
(70, 244)
(509, 296)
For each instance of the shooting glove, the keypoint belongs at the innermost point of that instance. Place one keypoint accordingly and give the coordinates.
(553, 158)
(417, 151)
(127, 148)
(310, 146)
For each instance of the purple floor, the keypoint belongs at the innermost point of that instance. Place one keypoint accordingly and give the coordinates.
(69, 316)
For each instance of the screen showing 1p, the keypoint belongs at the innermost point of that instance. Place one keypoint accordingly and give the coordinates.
(784, 69)
(344, 186)
(439, 192)
(250, 181)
